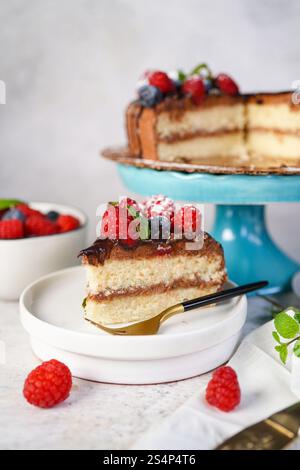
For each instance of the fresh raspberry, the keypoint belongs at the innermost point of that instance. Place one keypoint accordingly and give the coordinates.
(126, 202)
(158, 205)
(38, 225)
(226, 84)
(195, 87)
(223, 390)
(110, 223)
(188, 218)
(162, 81)
(48, 384)
(27, 211)
(10, 229)
(112, 227)
(66, 223)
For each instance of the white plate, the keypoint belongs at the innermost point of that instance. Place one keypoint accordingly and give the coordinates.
(186, 345)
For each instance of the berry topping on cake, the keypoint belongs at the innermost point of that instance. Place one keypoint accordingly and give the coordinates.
(226, 84)
(10, 229)
(194, 87)
(156, 86)
(149, 95)
(161, 81)
(48, 384)
(158, 205)
(188, 218)
(159, 227)
(223, 390)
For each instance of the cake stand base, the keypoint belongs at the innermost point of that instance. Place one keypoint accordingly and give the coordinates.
(249, 251)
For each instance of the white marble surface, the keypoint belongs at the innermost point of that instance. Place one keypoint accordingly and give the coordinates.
(97, 415)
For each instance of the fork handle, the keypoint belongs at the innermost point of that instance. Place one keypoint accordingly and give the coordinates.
(223, 295)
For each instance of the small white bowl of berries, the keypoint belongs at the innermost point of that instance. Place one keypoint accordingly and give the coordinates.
(35, 239)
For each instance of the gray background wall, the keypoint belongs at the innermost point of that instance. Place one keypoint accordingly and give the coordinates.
(70, 67)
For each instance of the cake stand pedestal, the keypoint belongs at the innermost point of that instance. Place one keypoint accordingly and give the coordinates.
(240, 224)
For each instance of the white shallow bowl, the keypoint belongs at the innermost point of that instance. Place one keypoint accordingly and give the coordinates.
(187, 345)
(25, 260)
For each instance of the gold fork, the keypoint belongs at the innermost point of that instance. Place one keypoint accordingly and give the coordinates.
(151, 325)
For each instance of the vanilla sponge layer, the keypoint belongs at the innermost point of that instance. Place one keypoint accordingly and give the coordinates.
(206, 120)
(271, 144)
(199, 148)
(281, 116)
(125, 309)
(132, 274)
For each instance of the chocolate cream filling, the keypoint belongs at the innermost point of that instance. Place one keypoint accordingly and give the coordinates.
(180, 283)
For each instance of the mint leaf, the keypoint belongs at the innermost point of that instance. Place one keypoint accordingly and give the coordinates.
(296, 348)
(132, 211)
(296, 313)
(181, 75)
(276, 337)
(7, 203)
(202, 68)
(286, 326)
(84, 303)
(283, 353)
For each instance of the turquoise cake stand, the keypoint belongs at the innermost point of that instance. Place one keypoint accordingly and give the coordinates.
(240, 223)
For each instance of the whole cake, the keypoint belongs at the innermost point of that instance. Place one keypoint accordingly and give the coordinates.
(130, 279)
(204, 119)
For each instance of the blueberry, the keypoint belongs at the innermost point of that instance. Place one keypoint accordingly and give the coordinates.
(208, 83)
(13, 214)
(160, 227)
(149, 96)
(52, 215)
(177, 84)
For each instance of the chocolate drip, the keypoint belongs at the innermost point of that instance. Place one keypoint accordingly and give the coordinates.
(101, 249)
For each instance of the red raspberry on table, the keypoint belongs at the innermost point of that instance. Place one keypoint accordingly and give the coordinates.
(195, 87)
(27, 211)
(223, 390)
(10, 229)
(38, 226)
(48, 384)
(162, 81)
(226, 84)
(66, 223)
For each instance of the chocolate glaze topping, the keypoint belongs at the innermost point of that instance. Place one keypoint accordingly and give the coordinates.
(101, 249)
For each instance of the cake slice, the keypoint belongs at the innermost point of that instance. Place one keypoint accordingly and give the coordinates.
(202, 119)
(133, 280)
(125, 285)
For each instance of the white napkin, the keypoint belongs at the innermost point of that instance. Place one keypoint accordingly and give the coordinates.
(266, 388)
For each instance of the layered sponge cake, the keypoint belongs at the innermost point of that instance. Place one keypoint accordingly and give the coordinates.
(203, 119)
(129, 281)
